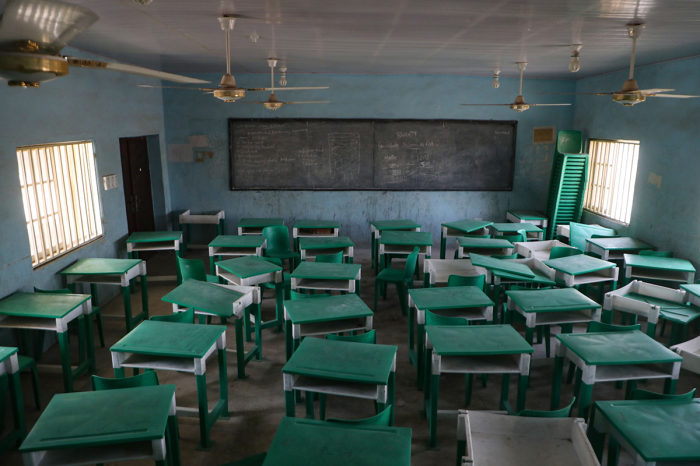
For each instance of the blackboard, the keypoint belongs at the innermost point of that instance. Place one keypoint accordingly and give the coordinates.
(336, 154)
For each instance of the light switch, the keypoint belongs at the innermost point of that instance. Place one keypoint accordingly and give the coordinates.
(110, 182)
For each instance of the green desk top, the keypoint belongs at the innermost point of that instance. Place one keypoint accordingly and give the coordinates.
(394, 224)
(514, 227)
(306, 311)
(325, 242)
(157, 338)
(235, 241)
(476, 340)
(6, 352)
(342, 361)
(467, 226)
(316, 224)
(101, 267)
(154, 236)
(304, 442)
(407, 238)
(658, 430)
(539, 278)
(615, 348)
(452, 297)
(556, 300)
(578, 265)
(692, 289)
(260, 222)
(41, 305)
(528, 214)
(90, 419)
(205, 297)
(670, 310)
(326, 271)
(248, 266)
(620, 244)
(485, 243)
(492, 264)
(659, 263)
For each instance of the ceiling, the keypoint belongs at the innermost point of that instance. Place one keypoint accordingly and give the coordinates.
(463, 37)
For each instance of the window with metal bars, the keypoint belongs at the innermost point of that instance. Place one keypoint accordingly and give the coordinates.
(61, 201)
(611, 175)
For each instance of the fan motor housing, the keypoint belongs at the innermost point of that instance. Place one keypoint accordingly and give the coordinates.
(628, 99)
(30, 69)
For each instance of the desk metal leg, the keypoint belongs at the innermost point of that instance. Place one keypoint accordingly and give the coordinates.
(443, 246)
(505, 387)
(16, 436)
(65, 361)
(421, 368)
(174, 431)
(556, 382)
(205, 444)
(391, 388)
(240, 350)
(127, 307)
(310, 412)
(279, 305)
(144, 299)
(289, 403)
(89, 343)
(670, 386)
(433, 410)
(585, 400)
(522, 392)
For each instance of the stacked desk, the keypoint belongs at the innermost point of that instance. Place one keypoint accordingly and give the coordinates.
(539, 250)
(666, 269)
(325, 276)
(584, 270)
(438, 271)
(235, 246)
(254, 226)
(379, 226)
(310, 247)
(153, 241)
(615, 248)
(461, 228)
(532, 232)
(527, 216)
(402, 243)
(483, 246)
(314, 229)
(186, 219)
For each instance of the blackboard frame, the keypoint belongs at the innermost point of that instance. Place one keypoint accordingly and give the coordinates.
(513, 123)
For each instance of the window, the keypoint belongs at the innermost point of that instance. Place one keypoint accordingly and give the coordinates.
(59, 191)
(611, 176)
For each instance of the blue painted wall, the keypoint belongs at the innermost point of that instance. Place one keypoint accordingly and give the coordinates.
(204, 186)
(665, 215)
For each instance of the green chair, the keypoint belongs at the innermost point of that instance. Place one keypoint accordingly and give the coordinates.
(478, 281)
(369, 338)
(403, 279)
(286, 278)
(506, 256)
(656, 253)
(194, 269)
(519, 237)
(336, 258)
(277, 238)
(296, 295)
(185, 317)
(95, 310)
(559, 251)
(382, 419)
(255, 460)
(639, 394)
(563, 412)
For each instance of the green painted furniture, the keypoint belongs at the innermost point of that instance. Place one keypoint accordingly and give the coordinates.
(564, 231)
(584, 270)
(27, 364)
(9, 379)
(478, 281)
(402, 279)
(690, 352)
(647, 252)
(539, 250)
(193, 269)
(402, 243)
(277, 245)
(615, 248)
(383, 419)
(183, 317)
(483, 246)
(558, 252)
(303, 442)
(473, 349)
(579, 233)
(254, 226)
(461, 228)
(336, 258)
(313, 276)
(183, 348)
(104, 427)
(665, 269)
(117, 272)
(95, 311)
(153, 241)
(438, 271)
(225, 302)
(379, 226)
(533, 232)
(613, 357)
(468, 302)
(310, 248)
(53, 312)
(559, 413)
(186, 219)
(230, 246)
(314, 229)
(527, 216)
(324, 316)
(330, 367)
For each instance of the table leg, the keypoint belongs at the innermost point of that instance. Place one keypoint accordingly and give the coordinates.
(258, 332)
(391, 388)
(174, 430)
(240, 350)
(372, 251)
(288, 339)
(426, 279)
(529, 335)
(607, 316)
(496, 298)
(358, 284)
(468, 390)
(279, 305)
(205, 443)
(584, 402)
(432, 416)
(223, 386)
(212, 269)
(309, 405)
(596, 438)
(90, 343)
(132, 255)
(522, 392)
(670, 386)
(289, 403)
(505, 387)
(631, 386)
(556, 382)
(144, 297)
(420, 356)
(17, 402)
(613, 451)
(443, 246)
(127, 307)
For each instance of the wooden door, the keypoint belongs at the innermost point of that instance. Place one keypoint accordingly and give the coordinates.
(137, 184)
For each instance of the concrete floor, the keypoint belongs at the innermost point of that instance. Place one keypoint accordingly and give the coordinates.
(257, 403)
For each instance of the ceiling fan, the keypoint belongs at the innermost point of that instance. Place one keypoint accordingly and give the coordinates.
(227, 90)
(272, 103)
(33, 32)
(520, 105)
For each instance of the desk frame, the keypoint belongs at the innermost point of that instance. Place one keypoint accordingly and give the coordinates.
(186, 220)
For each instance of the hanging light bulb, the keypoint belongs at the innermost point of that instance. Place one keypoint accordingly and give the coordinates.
(495, 82)
(575, 64)
(283, 76)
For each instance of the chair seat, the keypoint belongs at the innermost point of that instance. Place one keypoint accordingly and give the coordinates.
(391, 275)
(25, 362)
(212, 279)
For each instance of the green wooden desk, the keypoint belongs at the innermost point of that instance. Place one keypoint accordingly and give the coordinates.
(212, 218)
(225, 302)
(153, 241)
(254, 226)
(303, 442)
(461, 228)
(53, 312)
(106, 426)
(615, 248)
(253, 271)
(9, 378)
(117, 272)
(332, 367)
(179, 347)
(527, 216)
(483, 246)
(324, 276)
(668, 269)
(539, 250)
(378, 226)
(612, 357)
(235, 246)
(692, 294)
(564, 231)
(402, 243)
(533, 232)
(438, 271)
(584, 270)
(468, 302)
(482, 349)
(310, 247)
(314, 229)
(324, 316)
(652, 431)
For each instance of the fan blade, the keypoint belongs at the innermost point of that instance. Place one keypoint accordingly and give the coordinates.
(575, 93)
(653, 91)
(131, 69)
(490, 105)
(547, 105)
(273, 89)
(49, 24)
(316, 102)
(674, 96)
(206, 89)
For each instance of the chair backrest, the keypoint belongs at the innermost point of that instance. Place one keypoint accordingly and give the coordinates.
(147, 379)
(506, 256)
(382, 419)
(411, 263)
(296, 295)
(563, 412)
(559, 251)
(569, 142)
(475, 280)
(656, 253)
(600, 327)
(434, 319)
(639, 394)
(273, 260)
(367, 337)
(336, 258)
(61, 291)
(277, 237)
(191, 268)
(185, 317)
(580, 232)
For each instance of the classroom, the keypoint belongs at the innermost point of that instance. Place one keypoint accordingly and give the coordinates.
(263, 233)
